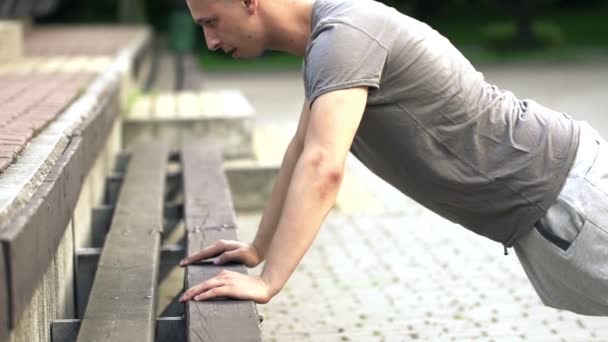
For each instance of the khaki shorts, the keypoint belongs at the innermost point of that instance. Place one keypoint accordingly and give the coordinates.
(566, 256)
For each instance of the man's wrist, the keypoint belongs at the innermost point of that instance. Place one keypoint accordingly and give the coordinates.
(273, 287)
(258, 250)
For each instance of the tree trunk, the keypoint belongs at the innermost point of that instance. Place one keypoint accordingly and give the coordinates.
(524, 36)
(132, 11)
(525, 33)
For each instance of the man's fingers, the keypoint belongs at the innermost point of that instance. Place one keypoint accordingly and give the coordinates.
(222, 291)
(206, 253)
(200, 288)
(227, 257)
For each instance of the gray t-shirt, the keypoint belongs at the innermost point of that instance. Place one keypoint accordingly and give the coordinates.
(433, 127)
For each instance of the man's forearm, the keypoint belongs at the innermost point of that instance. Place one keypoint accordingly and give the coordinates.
(311, 195)
(274, 205)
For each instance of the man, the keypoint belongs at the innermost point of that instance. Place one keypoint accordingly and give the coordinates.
(413, 109)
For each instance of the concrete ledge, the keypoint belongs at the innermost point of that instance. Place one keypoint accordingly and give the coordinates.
(23, 177)
(53, 297)
(226, 117)
(251, 183)
(232, 135)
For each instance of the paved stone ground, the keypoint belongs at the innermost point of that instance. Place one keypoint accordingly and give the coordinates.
(400, 273)
(385, 269)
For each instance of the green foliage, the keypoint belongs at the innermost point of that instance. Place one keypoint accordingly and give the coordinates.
(503, 36)
(98, 11)
(271, 61)
(182, 31)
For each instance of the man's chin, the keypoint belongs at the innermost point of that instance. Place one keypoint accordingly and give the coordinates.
(243, 55)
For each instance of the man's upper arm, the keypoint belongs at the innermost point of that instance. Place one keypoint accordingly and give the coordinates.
(302, 124)
(333, 121)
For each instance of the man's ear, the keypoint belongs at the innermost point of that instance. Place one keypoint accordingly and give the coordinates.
(250, 5)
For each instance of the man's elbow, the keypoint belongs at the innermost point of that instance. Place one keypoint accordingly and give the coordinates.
(327, 172)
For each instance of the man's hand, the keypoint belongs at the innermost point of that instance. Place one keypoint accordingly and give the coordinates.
(227, 251)
(230, 284)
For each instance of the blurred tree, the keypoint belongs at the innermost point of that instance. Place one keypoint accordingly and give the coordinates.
(524, 12)
(132, 11)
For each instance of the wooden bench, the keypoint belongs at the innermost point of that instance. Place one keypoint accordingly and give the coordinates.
(58, 136)
(122, 304)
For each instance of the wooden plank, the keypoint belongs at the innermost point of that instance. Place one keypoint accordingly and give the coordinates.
(211, 103)
(209, 216)
(86, 267)
(208, 202)
(165, 107)
(64, 330)
(188, 105)
(122, 304)
(32, 237)
(4, 306)
(169, 329)
(101, 217)
(142, 110)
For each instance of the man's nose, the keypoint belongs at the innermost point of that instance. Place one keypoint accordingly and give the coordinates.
(213, 42)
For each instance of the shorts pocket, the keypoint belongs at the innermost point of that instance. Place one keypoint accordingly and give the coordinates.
(557, 242)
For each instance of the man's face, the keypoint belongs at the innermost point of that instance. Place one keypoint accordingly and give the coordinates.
(228, 25)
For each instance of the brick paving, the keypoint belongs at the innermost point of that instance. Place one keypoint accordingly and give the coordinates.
(29, 103)
(77, 40)
(59, 63)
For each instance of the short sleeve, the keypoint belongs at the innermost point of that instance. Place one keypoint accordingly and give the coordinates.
(341, 56)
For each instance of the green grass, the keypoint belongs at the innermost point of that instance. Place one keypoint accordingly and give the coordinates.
(583, 35)
(275, 61)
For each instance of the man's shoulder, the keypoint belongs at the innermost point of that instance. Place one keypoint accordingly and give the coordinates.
(357, 13)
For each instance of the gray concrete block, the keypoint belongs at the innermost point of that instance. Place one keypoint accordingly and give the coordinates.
(53, 299)
(232, 134)
(250, 183)
(11, 41)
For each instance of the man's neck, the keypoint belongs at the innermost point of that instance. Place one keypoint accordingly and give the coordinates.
(288, 24)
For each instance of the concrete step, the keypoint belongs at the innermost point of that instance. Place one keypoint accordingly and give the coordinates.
(223, 116)
(250, 182)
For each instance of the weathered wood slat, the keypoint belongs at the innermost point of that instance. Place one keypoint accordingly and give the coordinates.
(86, 267)
(168, 329)
(208, 200)
(209, 216)
(32, 237)
(122, 305)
